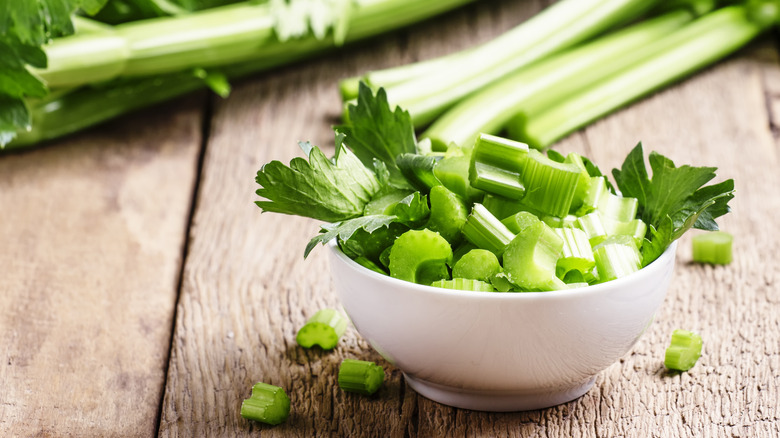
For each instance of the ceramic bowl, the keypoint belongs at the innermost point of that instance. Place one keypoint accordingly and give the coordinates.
(500, 351)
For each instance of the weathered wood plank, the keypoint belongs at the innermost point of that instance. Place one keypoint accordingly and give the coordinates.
(246, 289)
(92, 233)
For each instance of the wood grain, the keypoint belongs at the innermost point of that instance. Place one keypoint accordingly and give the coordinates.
(92, 232)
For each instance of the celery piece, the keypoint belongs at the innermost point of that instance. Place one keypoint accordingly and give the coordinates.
(520, 220)
(501, 283)
(420, 256)
(496, 166)
(712, 247)
(485, 231)
(616, 207)
(412, 211)
(616, 257)
(570, 221)
(594, 228)
(683, 351)
(577, 252)
(530, 258)
(596, 189)
(448, 214)
(267, 404)
(583, 183)
(323, 329)
(550, 185)
(360, 376)
(477, 264)
(462, 250)
(502, 207)
(453, 173)
(635, 228)
(469, 284)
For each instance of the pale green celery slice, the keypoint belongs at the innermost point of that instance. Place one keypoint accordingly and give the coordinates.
(550, 186)
(618, 208)
(477, 264)
(683, 351)
(420, 256)
(485, 231)
(577, 252)
(596, 189)
(520, 220)
(323, 329)
(712, 247)
(469, 284)
(360, 376)
(635, 228)
(267, 404)
(531, 257)
(593, 227)
(497, 164)
(616, 257)
(560, 222)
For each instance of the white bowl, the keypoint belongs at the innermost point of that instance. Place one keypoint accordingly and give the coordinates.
(500, 351)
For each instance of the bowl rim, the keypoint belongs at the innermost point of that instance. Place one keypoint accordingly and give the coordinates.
(668, 256)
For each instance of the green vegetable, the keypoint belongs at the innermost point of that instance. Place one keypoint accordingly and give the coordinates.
(713, 247)
(477, 264)
(360, 376)
(420, 256)
(497, 166)
(674, 200)
(598, 235)
(485, 231)
(530, 258)
(323, 329)
(464, 284)
(683, 351)
(268, 404)
(161, 38)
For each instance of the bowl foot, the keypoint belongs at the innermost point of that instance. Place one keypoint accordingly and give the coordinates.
(496, 401)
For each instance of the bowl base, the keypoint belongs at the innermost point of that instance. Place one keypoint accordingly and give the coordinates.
(496, 401)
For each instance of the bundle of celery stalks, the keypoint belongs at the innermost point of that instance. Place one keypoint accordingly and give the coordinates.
(76, 63)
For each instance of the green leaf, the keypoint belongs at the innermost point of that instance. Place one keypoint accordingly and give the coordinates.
(345, 229)
(412, 210)
(674, 200)
(14, 116)
(418, 170)
(375, 131)
(319, 188)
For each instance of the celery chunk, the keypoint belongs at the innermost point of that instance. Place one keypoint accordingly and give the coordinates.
(360, 376)
(420, 256)
(531, 257)
(267, 404)
(323, 329)
(713, 247)
(477, 264)
(684, 350)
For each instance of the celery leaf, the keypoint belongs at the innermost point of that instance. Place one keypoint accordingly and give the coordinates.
(345, 229)
(674, 200)
(319, 188)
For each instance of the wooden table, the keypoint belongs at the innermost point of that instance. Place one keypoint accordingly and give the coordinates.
(142, 292)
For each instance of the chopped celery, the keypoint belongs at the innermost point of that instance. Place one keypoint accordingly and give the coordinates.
(570, 221)
(635, 228)
(485, 231)
(448, 214)
(518, 221)
(616, 257)
(501, 283)
(464, 284)
(550, 185)
(530, 258)
(617, 207)
(477, 264)
(453, 172)
(583, 183)
(497, 165)
(713, 247)
(267, 404)
(360, 376)
(323, 329)
(420, 256)
(594, 228)
(596, 189)
(684, 350)
(577, 252)
(501, 207)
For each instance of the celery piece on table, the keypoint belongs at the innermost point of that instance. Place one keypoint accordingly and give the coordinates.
(360, 376)
(268, 404)
(683, 351)
(712, 247)
(323, 329)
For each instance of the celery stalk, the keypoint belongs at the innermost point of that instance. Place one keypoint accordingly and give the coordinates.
(485, 231)
(550, 81)
(682, 52)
